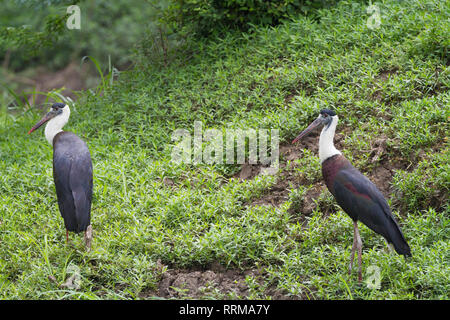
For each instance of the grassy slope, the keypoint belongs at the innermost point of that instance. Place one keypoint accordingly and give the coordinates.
(391, 83)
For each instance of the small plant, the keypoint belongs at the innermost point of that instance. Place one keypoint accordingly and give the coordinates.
(308, 167)
(296, 196)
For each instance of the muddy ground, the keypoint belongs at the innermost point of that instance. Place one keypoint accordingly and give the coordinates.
(213, 281)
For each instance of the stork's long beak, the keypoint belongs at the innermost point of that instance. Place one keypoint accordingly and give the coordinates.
(51, 114)
(316, 123)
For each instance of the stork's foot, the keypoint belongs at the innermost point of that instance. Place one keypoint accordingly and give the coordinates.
(350, 267)
(88, 237)
(359, 271)
(359, 247)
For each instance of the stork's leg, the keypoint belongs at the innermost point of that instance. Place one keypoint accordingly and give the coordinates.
(67, 236)
(359, 247)
(88, 237)
(352, 255)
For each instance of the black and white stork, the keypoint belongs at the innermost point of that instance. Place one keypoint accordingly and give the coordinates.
(72, 172)
(354, 193)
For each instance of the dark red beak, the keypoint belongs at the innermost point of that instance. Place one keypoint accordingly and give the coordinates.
(316, 123)
(47, 117)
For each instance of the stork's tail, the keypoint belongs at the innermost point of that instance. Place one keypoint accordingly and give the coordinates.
(398, 240)
(403, 248)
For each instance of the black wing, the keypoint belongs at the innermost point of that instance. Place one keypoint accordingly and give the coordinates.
(81, 186)
(362, 200)
(72, 172)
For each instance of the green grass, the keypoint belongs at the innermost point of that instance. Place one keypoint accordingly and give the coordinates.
(391, 82)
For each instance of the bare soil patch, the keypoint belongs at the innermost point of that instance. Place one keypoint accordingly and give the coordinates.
(196, 283)
(70, 78)
(387, 73)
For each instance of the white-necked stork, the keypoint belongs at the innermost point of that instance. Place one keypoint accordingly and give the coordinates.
(354, 193)
(72, 172)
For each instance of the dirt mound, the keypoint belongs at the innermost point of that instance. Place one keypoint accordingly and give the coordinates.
(385, 74)
(194, 284)
(216, 281)
(248, 171)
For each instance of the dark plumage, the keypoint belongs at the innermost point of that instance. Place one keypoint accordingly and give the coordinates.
(72, 173)
(328, 112)
(362, 200)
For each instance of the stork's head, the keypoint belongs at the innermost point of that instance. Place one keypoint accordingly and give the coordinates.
(59, 112)
(325, 118)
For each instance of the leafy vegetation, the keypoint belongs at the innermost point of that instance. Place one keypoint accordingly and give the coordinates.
(38, 35)
(388, 85)
(206, 17)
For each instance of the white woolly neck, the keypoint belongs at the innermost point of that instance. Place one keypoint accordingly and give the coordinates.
(326, 144)
(55, 125)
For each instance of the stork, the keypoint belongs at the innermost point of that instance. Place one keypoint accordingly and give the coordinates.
(72, 172)
(354, 193)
